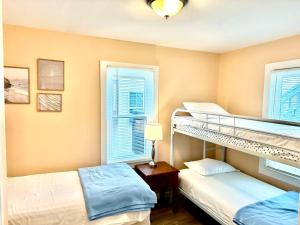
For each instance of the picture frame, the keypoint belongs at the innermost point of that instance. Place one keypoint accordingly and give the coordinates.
(49, 102)
(16, 85)
(50, 74)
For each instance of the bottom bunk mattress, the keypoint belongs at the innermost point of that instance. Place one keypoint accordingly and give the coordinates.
(57, 198)
(222, 195)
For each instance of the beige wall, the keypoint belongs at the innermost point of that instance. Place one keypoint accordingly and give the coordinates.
(3, 176)
(240, 90)
(41, 142)
(45, 142)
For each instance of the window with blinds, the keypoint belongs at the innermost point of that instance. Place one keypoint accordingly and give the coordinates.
(284, 96)
(130, 104)
(283, 103)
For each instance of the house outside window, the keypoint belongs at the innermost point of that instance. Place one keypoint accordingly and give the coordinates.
(136, 102)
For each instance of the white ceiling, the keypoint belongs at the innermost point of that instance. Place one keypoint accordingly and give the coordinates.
(206, 25)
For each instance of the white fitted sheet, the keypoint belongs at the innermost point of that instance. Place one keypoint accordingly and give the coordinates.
(224, 194)
(256, 135)
(57, 198)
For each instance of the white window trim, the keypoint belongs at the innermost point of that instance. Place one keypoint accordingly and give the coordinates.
(276, 174)
(103, 77)
(268, 72)
(263, 169)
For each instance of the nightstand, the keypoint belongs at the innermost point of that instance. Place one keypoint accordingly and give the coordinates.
(160, 178)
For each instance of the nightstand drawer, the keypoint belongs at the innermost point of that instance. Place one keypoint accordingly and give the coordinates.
(162, 181)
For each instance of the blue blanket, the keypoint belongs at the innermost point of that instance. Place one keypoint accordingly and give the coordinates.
(280, 210)
(113, 189)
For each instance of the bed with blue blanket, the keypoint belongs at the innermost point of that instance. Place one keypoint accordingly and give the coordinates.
(114, 189)
(234, 198)
(280, 210)
(108, 195)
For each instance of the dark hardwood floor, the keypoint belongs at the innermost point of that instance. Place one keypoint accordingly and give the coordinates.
(188, 214)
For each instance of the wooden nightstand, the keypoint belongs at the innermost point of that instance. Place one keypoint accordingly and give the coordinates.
(160, 178)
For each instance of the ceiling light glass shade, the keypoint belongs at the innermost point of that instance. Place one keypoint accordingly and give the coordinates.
(167, 8)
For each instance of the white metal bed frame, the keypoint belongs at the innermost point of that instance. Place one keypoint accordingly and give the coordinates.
(202, 206)
(224, 146)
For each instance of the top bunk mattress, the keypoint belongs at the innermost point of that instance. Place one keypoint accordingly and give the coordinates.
(279, 135)
(56, 198)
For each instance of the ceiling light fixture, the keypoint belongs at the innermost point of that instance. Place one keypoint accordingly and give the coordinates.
(166, 8)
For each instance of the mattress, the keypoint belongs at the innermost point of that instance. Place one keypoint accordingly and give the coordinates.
(262, 132)
(57, 198)
(222, 195)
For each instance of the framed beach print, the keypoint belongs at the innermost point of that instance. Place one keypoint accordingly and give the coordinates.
(50, 74)
(16, 85)
(49, 102)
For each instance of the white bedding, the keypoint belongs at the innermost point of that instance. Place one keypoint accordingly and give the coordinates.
(257, 135)
(224, 194)
(57, 198)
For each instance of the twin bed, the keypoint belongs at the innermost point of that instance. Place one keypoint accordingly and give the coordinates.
(58, 198)
(223, 195)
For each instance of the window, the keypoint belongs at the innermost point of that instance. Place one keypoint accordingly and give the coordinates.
(282, 102)
(282, 168)
(129, 101)
(284, 95)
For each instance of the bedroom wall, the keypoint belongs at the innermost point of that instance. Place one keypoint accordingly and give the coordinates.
(240, 90)
(46, 142)
(3, 196)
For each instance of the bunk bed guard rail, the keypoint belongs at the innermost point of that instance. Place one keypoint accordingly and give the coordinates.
(212, 127)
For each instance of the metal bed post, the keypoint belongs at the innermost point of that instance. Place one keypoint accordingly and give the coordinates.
(223, 153)
(204, 150)
(172, 147)
(172, 140)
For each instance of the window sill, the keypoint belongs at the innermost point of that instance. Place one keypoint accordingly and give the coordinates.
(132, 163)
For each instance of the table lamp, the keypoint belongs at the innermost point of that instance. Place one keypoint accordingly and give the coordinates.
(153, 132)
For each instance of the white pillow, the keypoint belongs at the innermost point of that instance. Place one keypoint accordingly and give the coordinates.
(204, 107)
(208, 167)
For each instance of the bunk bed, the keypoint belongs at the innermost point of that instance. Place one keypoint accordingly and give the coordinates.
(223, 195)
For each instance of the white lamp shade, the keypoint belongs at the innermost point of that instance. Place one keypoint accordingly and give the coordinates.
(153, 132)
(166, 8)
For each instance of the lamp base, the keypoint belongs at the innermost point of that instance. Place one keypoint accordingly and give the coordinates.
(152, 164)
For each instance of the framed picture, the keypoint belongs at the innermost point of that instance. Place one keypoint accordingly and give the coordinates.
(50, 75)
(49, 102)
(16, 85)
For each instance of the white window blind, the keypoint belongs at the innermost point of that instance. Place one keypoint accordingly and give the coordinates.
(130, 103)
(284, 104)
(284, 100)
